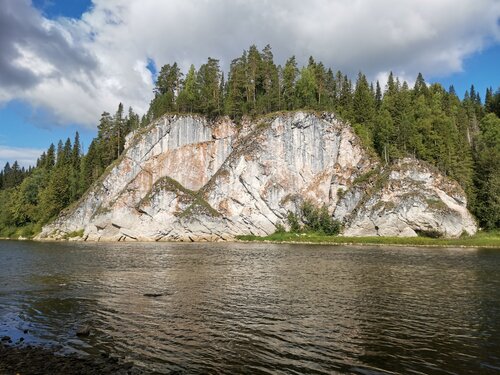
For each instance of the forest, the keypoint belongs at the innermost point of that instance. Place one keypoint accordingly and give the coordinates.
(460, 136)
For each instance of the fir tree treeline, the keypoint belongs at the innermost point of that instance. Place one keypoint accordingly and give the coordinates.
(428, 122)
(12, 176)
(30, 198)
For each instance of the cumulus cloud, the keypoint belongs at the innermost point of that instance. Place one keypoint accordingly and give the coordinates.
(78, 68)
(24, 156)
(40, 57)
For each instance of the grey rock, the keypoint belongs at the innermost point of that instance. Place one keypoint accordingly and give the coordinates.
(153, 295)
(83, 331)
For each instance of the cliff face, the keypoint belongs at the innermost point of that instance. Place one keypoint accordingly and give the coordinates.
(184, 178)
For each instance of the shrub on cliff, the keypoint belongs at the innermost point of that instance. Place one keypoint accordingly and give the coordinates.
(314, 219)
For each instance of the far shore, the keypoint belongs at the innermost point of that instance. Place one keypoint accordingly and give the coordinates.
(388, 244)
(487, 240)
(479, 240)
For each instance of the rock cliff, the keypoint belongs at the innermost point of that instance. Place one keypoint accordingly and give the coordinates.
(188, 179)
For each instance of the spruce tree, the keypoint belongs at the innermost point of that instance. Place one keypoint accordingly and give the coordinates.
(51, 157)
(378, 96)
(363, 103)
(188, 96)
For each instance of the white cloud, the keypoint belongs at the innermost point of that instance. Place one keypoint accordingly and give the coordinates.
(104, 55)
(24, 156)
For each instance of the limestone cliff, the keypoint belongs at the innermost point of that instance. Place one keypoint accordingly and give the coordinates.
(186, 178)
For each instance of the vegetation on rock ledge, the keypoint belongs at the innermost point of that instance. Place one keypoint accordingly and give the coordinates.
(311, 219)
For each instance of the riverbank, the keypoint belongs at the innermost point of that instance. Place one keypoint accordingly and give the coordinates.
(34, 360)
(482, 240)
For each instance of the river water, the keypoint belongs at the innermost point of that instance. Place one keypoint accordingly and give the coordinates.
(258, 308)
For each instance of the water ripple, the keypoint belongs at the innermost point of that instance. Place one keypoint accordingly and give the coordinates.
(259, 309)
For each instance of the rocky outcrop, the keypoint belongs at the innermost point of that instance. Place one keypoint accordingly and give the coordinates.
(407, 199)
(185, 178)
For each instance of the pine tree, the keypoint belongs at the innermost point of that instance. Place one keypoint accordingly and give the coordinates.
(253, 76)
(236, 100)
(118, 126)
(290, 74)
(321, 85)
(167, 88)
(209, 78)
(269, 100)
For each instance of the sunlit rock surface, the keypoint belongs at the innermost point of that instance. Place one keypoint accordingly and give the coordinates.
(407, 199)
(188, 179)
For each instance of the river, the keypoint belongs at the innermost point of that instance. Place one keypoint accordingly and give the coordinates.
(258, 308)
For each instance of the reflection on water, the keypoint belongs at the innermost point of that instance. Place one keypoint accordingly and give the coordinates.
(255, 308)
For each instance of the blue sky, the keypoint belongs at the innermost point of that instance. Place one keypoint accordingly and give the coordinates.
(77, 58)
(64, 8)
(481, 69)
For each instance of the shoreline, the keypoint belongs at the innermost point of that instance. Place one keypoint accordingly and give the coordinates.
(39, 360)
(354, 243)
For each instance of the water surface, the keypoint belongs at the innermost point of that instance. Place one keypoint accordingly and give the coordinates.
(259, 308)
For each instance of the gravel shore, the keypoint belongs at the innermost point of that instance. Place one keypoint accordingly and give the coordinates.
(37, 361)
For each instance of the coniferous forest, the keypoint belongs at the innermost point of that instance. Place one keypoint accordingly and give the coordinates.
(461, 137)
